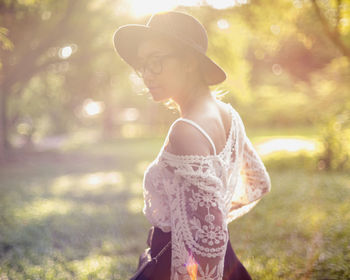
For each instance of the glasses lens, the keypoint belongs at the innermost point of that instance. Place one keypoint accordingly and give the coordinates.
(153, 65)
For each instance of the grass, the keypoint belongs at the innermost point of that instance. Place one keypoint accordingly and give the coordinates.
(78, 215)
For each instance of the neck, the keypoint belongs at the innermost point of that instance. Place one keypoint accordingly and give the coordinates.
(192, 99)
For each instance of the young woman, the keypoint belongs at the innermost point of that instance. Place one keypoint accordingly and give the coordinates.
(207, 173)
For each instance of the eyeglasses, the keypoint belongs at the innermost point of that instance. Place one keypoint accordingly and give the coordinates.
(153, 64)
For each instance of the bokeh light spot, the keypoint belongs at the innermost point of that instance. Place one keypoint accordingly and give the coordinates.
(65, 52)
(223, 24)
(277, 69)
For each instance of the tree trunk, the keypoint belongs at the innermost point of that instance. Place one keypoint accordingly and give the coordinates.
(332, 33)
(3, 125)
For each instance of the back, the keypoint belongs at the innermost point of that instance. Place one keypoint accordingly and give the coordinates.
(205, 134)
(196, 196)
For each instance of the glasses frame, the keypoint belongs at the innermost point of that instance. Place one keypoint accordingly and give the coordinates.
(158, 61)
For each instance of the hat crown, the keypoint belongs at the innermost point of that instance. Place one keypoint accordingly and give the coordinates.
(177, 26)
(182, 26)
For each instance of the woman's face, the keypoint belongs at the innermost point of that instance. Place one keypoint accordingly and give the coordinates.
(163, 70)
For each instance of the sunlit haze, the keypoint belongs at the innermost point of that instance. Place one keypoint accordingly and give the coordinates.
(140, 8)
(285, 144)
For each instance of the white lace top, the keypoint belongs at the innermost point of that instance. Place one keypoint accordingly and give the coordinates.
(196, 197)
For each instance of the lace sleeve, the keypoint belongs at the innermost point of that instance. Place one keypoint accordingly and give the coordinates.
(198, 226)
(253, 181)
(253, 173)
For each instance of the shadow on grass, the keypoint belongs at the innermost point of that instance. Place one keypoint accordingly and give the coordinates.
(71, 216)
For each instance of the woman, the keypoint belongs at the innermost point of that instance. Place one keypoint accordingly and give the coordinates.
(207, 173)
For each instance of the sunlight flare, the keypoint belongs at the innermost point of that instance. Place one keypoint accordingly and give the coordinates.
(285, 144)
(221, 4)
(192, 267)
(190, 3)
(140, 8)
(223, 24)
(93, 108)
(65, 52)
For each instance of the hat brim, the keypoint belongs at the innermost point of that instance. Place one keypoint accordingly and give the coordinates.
(127, 39)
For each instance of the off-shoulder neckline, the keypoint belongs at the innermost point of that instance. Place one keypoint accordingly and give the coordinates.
(219, 155)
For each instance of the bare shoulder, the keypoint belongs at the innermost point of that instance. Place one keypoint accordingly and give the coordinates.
(185, 139)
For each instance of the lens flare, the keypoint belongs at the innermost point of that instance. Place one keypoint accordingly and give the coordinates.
(192, 267)
(140, 8)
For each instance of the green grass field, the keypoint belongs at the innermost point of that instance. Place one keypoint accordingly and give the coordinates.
(78, 215)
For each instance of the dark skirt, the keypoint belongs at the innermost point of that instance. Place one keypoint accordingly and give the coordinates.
(157, 239)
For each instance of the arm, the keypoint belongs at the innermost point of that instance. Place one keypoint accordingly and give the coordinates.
(253, 173)
(253, 182)
(198, 228)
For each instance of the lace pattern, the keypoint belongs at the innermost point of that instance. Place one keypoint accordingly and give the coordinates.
(196, 197)
(156, 206)
(250, 181)
(198, 225)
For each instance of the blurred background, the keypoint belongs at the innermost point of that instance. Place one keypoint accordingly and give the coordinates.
(78, 129)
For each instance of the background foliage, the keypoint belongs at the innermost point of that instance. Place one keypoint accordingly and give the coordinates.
(77, 129)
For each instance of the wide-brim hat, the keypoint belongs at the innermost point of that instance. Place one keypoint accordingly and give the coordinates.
(178, 26)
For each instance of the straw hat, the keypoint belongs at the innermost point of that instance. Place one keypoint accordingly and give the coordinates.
(178, 26)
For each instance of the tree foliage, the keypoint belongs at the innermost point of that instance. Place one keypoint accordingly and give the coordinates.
(284, 60)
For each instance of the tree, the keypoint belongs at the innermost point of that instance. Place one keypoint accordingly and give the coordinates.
(39, 30)
(334, 16)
